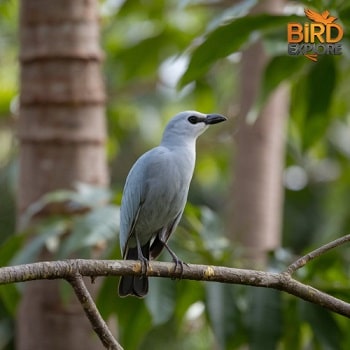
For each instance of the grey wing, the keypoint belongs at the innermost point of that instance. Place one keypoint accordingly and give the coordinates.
(156, 180)
(131, 204)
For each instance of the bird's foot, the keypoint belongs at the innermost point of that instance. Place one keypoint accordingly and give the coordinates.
(179, 263)
(141, 257)
(144, 265)
(176, 261)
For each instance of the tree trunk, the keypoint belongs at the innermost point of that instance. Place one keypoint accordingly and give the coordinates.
(62, 134)
(257, 191)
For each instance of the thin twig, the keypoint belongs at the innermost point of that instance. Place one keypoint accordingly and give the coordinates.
(316, 253)
(91, 311)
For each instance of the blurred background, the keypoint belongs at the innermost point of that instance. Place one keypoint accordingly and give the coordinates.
(86, 87)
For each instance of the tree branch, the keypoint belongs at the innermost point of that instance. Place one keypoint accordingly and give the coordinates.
(69, 268)
(91, 311)
(316, 253)
(73, 270)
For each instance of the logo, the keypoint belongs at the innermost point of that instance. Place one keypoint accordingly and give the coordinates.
(320, 37)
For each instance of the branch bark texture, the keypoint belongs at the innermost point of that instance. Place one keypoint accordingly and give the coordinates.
(73, 271)
(67, 269)
(92, 313)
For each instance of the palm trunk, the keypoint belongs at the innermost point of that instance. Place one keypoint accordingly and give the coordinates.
(62, 134)
(258, 192)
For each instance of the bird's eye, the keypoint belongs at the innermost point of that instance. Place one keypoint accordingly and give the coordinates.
(193, 119)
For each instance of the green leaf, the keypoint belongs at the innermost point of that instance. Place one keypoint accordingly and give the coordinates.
(264, 318)
(165, 336)
(321, 82)
(85, 196)
(47, 231)
(152, 51)
(344, 14)
(298, 107)
(66, 292)
(187, 293)
(311, 101)
(227, 39)
(6, 332)
(134, 320)
(212, 233)
(40, 204)
(10, 247)
(279, 69)
(325, 329)
(222, 312)
(106, 294)
(10, 296)
(99, 225)
(292, 325)
(160, 300)
(322, 74)
(148, 49)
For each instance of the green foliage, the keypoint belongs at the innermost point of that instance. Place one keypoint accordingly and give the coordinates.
(325, 328)
(134, 321)
(259, 317)
(6, 332)
(161, 302)
(278, 70)
(223, 41)
(319, 100)
(153, 47)
(66, 235)
(94, 228)
(264, 332)
(9, 295)
(10, 298)
(223, 314)
(8, 54)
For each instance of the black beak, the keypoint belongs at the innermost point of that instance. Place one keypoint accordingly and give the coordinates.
(214, 119)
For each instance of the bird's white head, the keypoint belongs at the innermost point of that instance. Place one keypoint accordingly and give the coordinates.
(187, 126)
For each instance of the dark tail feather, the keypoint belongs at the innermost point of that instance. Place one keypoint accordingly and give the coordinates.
(134, 285)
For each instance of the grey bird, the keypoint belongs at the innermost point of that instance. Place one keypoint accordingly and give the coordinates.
(155, 195)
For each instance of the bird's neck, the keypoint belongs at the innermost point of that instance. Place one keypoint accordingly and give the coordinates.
(180, 144)
(183, 156)
(177, 139)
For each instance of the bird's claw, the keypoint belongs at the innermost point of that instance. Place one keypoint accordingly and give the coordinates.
(144, 265)
(176, 261)
(181, 264)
